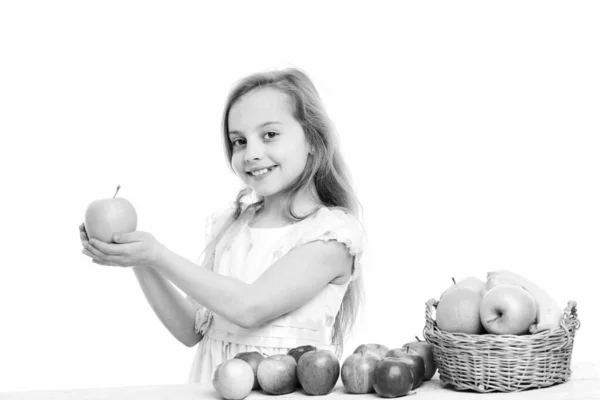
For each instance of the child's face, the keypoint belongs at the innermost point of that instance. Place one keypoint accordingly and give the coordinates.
(267, 138)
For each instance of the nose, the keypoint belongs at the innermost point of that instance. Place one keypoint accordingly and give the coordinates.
(254, 151)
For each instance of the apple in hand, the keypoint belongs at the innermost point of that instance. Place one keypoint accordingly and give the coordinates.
(414, 361)
(357, 372)
(105, 218)
(296, 352)
(425, 350)
(318, 371)
(233, 379)
(508, 310)
(392, 378)
(253, 358)
(458, 310)
(375, 348)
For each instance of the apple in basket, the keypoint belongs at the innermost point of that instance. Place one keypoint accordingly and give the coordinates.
(458, 308)
(471, 282)
(277, 374)
(425, 350)
(318, 371)
(414, 361)
(357, 372)
(508, 310)
(105, 218)
(233, 379)
(392, 377)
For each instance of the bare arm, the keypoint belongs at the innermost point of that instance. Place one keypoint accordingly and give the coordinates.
(175, 311)
(294, 280)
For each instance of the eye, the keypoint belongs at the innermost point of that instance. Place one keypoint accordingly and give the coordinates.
(238, 142)
(270, 135)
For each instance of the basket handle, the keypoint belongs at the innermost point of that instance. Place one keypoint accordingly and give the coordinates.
(570, 315)
(430, 304)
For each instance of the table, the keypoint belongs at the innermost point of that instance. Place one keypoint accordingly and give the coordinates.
(584, 384)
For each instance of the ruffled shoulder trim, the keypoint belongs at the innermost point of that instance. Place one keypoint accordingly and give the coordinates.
(328, 224)
(216, 220)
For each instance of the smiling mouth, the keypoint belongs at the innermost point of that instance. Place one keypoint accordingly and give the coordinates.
(261, 172)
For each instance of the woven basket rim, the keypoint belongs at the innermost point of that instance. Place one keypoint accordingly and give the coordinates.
(569, 321)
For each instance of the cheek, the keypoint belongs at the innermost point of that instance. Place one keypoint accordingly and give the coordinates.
(237, 162)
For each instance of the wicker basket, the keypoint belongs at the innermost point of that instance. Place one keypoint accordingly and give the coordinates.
(503, 363)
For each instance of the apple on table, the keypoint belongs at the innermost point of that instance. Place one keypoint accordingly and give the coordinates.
(253, 358)
(318, 371)
(105, 218)
(277, 374)
(425, 350)
(392, 377)
(413, 360)
(297, 352)
(357, 372)
(377, 349)
(233, 379)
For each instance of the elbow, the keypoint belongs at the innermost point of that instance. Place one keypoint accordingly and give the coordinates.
(249, 316)
(190, 340)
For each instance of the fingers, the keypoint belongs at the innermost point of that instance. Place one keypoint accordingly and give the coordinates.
(107, 264)
(129, 237)
(83, 233)
(109, 249)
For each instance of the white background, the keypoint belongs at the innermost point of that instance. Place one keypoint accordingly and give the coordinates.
(471, 130)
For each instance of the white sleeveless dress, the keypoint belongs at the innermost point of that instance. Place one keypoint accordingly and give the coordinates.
(245, 257)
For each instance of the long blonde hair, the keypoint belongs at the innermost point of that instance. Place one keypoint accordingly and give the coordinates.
(325, 168)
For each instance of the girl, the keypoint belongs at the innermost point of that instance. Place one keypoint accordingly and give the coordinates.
(281, 268)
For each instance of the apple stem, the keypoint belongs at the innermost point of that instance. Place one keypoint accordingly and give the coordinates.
(453, 280)
(418, 340)
(118, 187)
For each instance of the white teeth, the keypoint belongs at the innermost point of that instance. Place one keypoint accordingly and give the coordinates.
(260, 172)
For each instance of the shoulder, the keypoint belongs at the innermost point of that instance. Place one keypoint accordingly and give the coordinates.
(218, 219)
(329, 228)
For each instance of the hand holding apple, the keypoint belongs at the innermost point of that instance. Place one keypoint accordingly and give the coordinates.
(105, 218)
(135, 249)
